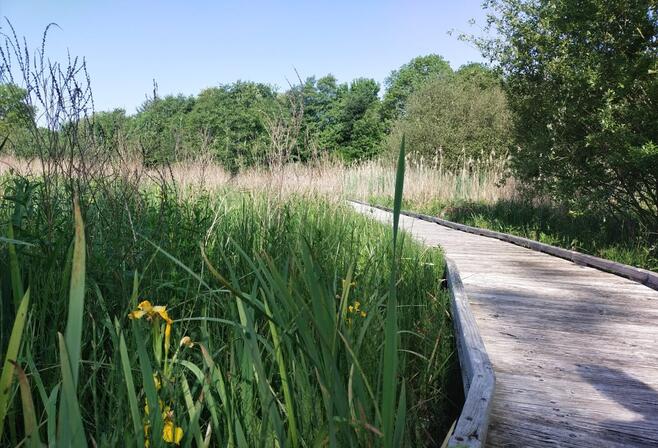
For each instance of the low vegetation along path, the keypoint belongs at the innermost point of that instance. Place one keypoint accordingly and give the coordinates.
(574, 349)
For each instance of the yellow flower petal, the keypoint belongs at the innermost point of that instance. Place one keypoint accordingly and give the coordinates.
(145, 306)
(137, 314)
(363, 314)
(162, 312)
(171, 433)
(350, 309)
(168, 432)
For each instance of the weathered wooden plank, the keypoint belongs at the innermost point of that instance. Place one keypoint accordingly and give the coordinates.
(477, 372)
(637, 274)
(573, 348)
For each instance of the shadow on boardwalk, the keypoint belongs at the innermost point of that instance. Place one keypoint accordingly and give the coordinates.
(629, 392)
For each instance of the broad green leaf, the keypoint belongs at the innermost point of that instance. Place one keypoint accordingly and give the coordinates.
(70, 429)
(76, 296)
(130, 390)
(29, 414)
(11, 355)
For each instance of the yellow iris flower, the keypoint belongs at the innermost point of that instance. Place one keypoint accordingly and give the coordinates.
(146, 308)
(172, 433)
(355, 308)
(150, 311)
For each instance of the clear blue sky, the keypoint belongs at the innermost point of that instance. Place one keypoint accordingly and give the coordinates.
(189, 45)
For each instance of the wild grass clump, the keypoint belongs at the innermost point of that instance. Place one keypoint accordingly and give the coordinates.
(426, 180)
(217, 319)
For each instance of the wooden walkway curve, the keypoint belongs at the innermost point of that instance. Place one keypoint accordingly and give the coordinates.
(574, 349)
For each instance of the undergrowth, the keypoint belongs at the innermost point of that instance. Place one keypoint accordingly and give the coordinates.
(216, 319)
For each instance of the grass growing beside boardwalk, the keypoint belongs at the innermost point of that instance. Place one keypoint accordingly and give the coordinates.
(253, 322)
(613, 238)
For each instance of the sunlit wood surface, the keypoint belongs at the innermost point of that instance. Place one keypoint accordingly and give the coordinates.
(574, 349)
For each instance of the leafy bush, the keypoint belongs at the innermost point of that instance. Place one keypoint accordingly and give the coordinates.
(457, 118)
(406, 80)
(581, 80)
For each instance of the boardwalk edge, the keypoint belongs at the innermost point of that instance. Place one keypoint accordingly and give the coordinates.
(647, 278)
(477, 372)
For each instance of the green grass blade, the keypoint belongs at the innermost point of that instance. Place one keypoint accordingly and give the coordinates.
(390, 366)
(207, 395)
(217, 379)
(14, 269)
(130, 389)
(399, 187)
(401, 417)
(51, 411)
(285, 384)
(37, 379)
(11, 355)
(29, 415)
(155, 413)
(76, 296)
(70, 431)
(194, 411)
(13, 241)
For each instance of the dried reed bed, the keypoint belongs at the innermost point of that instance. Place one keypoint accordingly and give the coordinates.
(362, 181)
(423, 182)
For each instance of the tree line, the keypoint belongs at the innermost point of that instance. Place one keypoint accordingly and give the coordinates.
(245, 123)
(570, 94)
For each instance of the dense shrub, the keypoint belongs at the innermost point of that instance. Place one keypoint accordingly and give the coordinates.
(581, 81)
(455, 119)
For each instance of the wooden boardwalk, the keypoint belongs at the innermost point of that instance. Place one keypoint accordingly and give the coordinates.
(574, 349)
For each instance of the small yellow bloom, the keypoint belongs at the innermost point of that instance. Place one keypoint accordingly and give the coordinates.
(363, 314)
(146, 308)
(172, 433)
(350, 309)
(357, 304)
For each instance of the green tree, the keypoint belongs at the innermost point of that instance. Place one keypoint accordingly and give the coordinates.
(16, 119)
(320, 97)
(159, 127)
(110, 127)
(354, 129)
(343, 120)
(581, 81)
(455, 119)
(228, 122)
(401, 83)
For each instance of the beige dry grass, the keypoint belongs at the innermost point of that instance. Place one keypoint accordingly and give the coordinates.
(423, 182)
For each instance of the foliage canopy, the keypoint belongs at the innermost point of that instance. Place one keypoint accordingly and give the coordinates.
(457, 119)
(581, 81)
